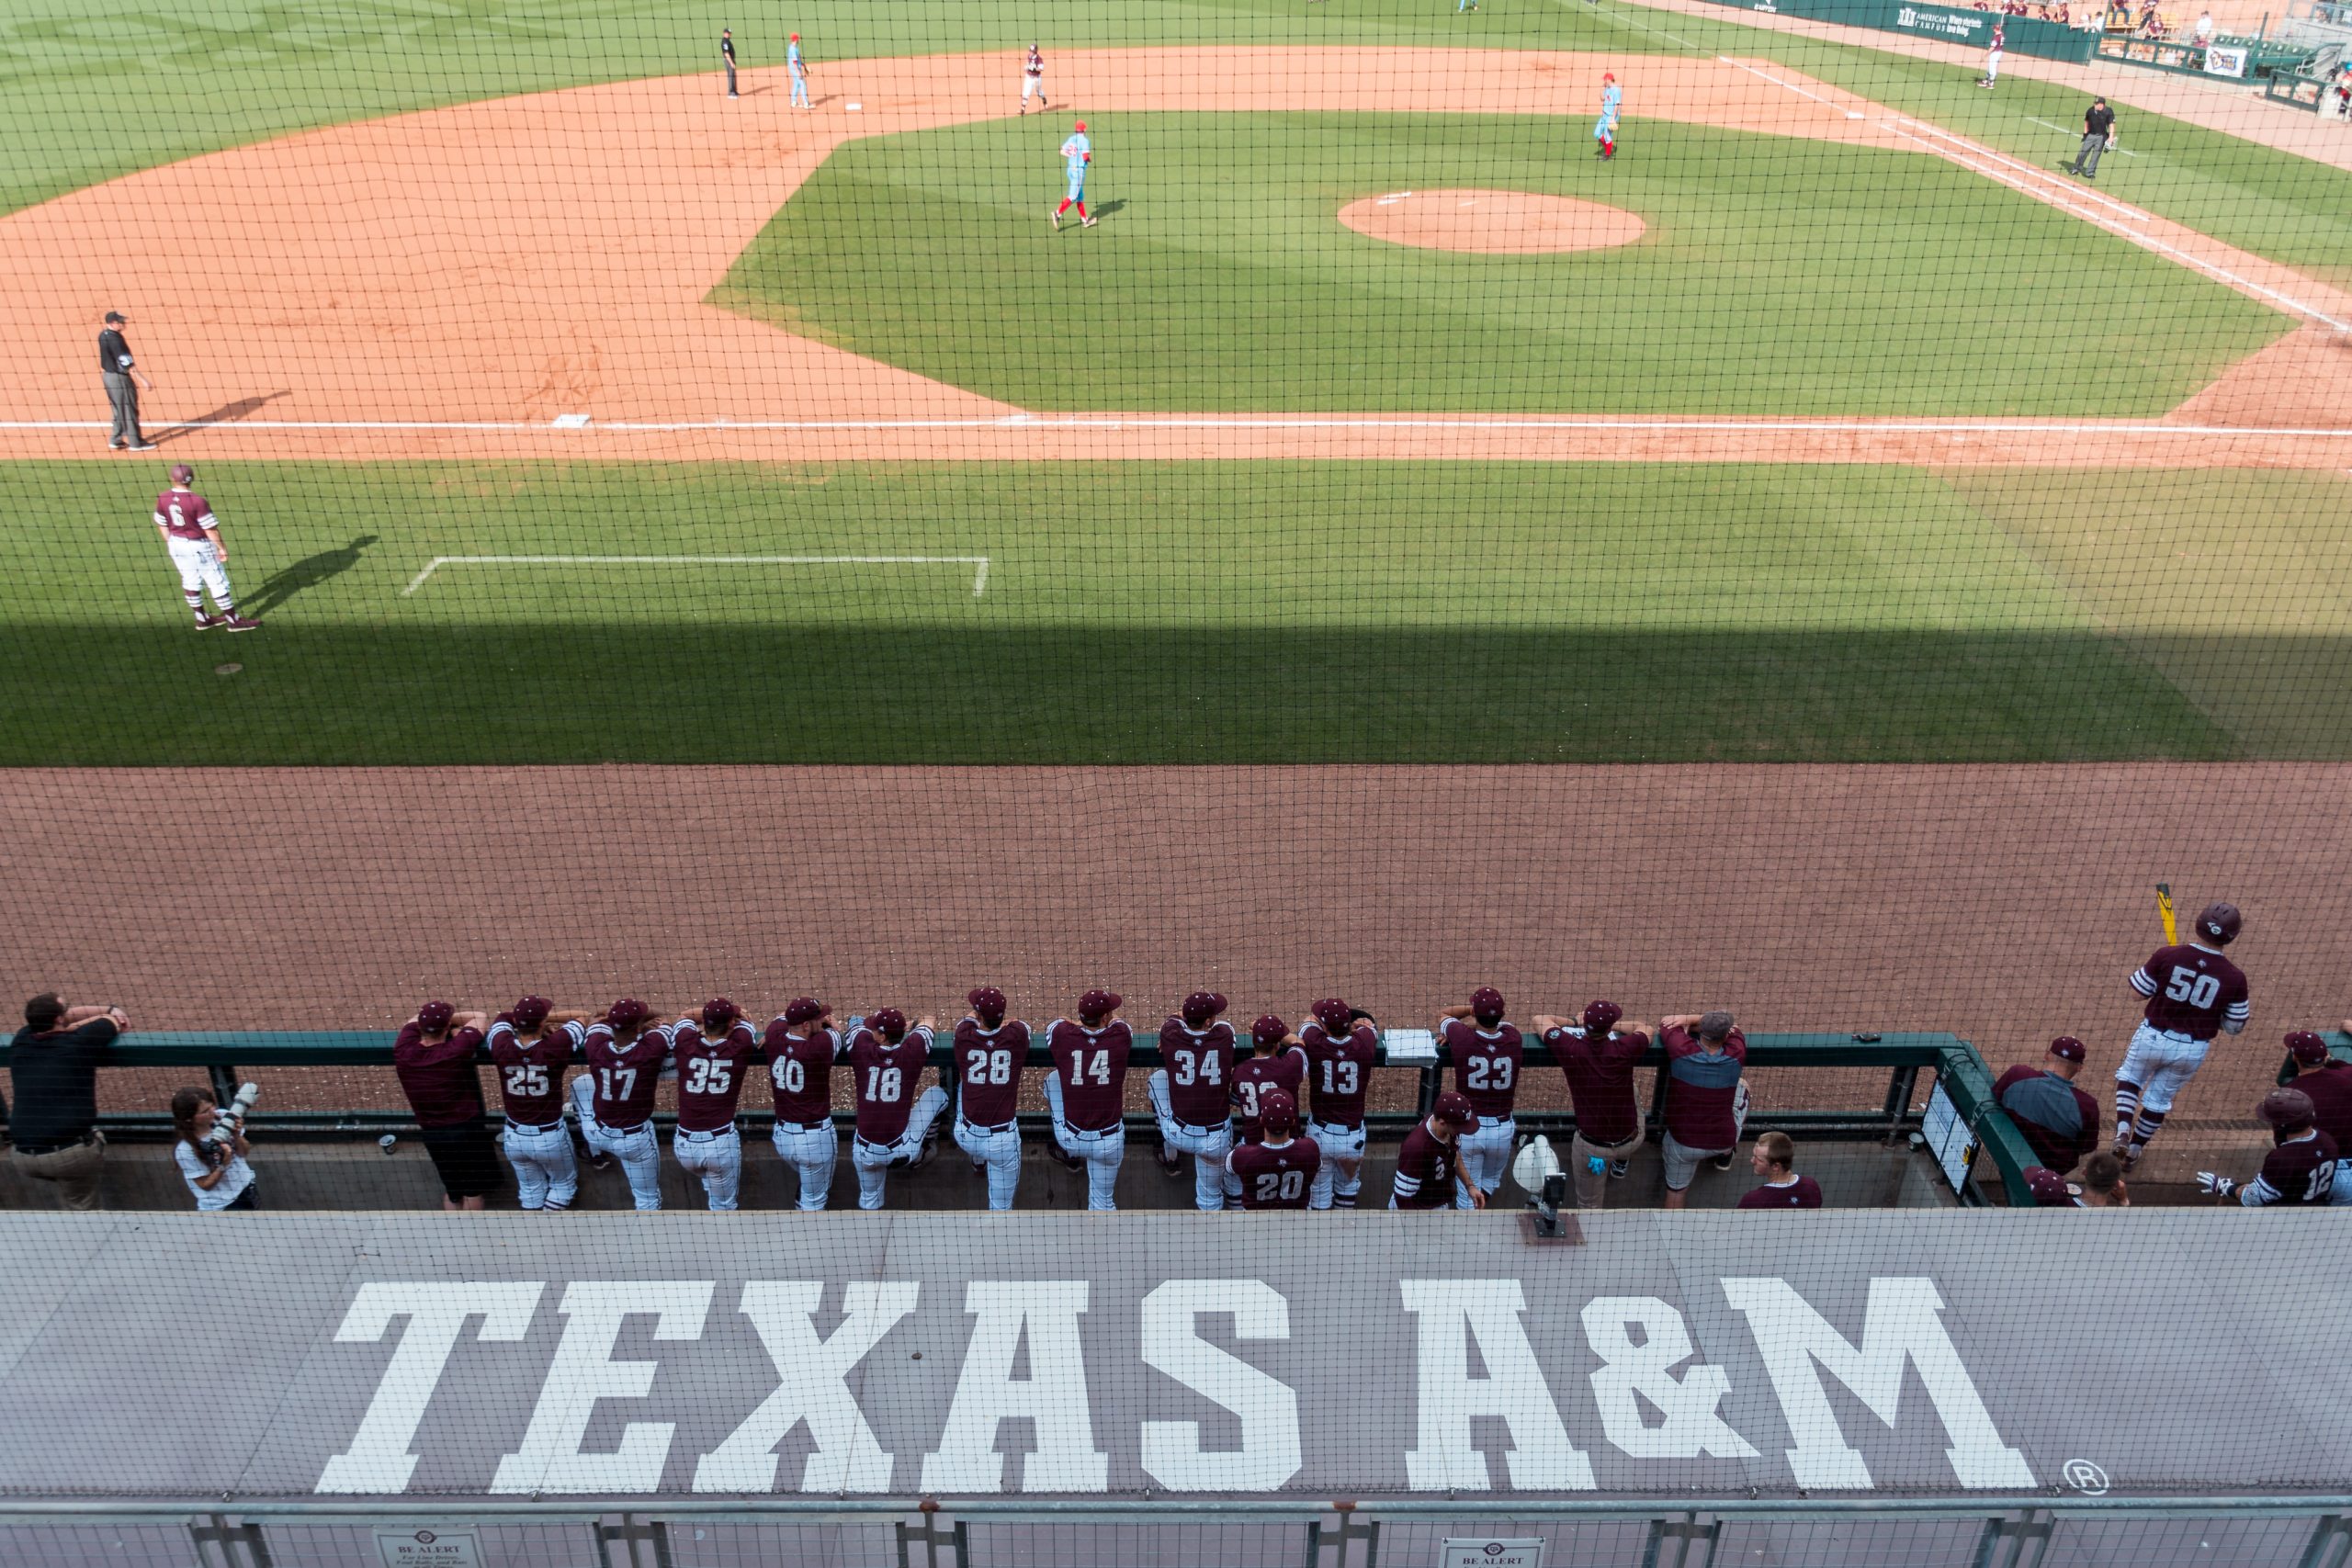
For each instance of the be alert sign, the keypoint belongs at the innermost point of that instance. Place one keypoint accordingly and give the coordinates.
(1474, 1552)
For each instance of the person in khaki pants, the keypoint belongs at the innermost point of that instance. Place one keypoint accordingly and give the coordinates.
(53, 1066)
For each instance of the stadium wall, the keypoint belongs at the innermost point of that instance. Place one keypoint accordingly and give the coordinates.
(1949, 24)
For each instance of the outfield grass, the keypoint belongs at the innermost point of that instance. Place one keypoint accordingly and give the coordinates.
(92, 90)
(1222, 280)
(1189, 613)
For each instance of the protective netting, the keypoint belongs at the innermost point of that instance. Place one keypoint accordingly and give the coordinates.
(1818, 516)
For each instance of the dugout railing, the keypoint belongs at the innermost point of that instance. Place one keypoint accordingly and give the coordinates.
(1961, 1073)
(1987, 1531)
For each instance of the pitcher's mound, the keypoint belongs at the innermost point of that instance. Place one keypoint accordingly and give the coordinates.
(1499, 223)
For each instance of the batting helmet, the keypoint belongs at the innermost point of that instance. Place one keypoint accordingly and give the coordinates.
(2220, 922)
(531, 1013)
(1600, 1018)
(803, 1009)
(1203, 1006)
(1277, 1112)
(433, 1017)
(2287, 1109)
(626, 1013)
(1335, 1015)
(1081, 125)
(182, 474)
(1487, 1005)
(988, 1004)
(1269, 1031)
(719, 1013)
(2308, 1049)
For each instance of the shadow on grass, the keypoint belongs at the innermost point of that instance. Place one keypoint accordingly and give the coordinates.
(907, 693)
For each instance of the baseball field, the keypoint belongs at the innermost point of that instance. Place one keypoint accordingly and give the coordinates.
(560, 411)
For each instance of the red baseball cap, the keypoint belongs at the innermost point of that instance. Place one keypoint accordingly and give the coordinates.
(1095, 1003)
(627, 1012)
(803, 1009)
(1269, 1031)
(531, 1013)
(2308, 1049)
(2067, 1048)
(1081, 125)
(1487, 1005)
(2046, 1185)
(1600, 1017)
(433, 1017)
(1203, 1006)
(1278, 1111)
(987, 1001)
(889, 1022)
(1454, 1112)
(719, 1013)
(1334, 1015)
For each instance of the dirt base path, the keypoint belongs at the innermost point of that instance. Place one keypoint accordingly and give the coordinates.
(2004, 903)
(523, 279)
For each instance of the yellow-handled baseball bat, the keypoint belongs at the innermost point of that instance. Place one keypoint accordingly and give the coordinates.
(2164, 912)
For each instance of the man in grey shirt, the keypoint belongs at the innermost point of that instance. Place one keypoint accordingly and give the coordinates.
(123, 384)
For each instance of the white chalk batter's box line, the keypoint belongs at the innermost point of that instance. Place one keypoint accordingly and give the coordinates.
(979, 564)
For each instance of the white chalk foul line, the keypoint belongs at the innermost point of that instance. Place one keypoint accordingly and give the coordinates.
(2146, 242)
(1460, 423)
(978, 563)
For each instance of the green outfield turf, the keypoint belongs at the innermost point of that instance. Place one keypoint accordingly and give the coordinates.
(1188, 613)
(1221, 278)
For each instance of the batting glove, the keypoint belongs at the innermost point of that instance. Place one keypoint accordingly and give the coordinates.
(2216, 1186)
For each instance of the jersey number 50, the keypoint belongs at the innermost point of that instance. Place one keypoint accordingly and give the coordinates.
(2188, 986)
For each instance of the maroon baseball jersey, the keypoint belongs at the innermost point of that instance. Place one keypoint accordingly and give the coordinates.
(1092, 1067)
(2330, 1090)
(800, 1070)
(2300, 1170)
(885, 1077)
(1424, 1171)
(1200, 1071)
(2193, 990)
(627, 1076)
(1804, 1192)
(1255, 1075)
(442, 1087)
(1277, 1179)
(1485, 1065)
(1702, 1090)
(2058, 1122)
(987, 1070)
(711, 1074)
(184, 514)
(1338, 1072)
(1601, 1081)
(530, 1076)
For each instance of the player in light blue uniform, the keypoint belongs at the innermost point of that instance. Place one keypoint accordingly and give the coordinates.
(800, 74)
(1076, 153)
(1605, 132)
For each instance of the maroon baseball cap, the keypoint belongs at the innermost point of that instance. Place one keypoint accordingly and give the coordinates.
(2067, 1048)
(182, 474)
(2046, 1185)
(1203, 1006)
(1487, 1005)
(2308, 1049)
(531, 1013)
(889, 1022)
(1454, 1112)
(1277, 1112)
(988, 1003)
(1269, 1031)
(1334, 1015)
(1600, 1018)
(719, 1013)
(1095, 1003)
(803, 1009)
(433, 1017)
(626, 1013)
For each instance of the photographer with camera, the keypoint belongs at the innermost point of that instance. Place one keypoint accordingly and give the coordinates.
(211, 1152)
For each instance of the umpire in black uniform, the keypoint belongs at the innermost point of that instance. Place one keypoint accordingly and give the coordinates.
(727, 53)
(123, 384)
